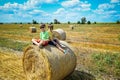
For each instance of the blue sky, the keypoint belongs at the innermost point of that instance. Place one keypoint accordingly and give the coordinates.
(62, 10)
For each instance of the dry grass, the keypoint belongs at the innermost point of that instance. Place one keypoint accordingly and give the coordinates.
(11, 66)
(87, 39)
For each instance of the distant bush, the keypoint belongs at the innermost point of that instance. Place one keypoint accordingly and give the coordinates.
(88, 22)
(51, 23)
(1, 23)
(94, 23)
(28, 23)
(68, 22)
(78, 22)
(83, 20)
(118, 22)
(20, 22)
(56, 21)
(34, 22)
(15, 23)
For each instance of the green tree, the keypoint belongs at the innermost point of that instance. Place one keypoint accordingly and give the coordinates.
(51, 22)
(68, 22)
(83, 20)
(118, 22)
(20, 22)
(78, 22)
(34, 22)
(1, 23)
(94, 22)
(58, 22)
(88, 22)
(55, 21)
(28, 23)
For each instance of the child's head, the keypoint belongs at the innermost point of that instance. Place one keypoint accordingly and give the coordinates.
(50, 26)
(42, 27)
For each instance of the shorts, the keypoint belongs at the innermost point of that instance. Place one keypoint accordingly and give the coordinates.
(44, 42)
(51, 43)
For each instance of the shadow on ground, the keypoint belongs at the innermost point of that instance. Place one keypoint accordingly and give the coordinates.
(79, 75)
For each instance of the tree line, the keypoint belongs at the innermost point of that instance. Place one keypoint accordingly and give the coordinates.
(83, 20)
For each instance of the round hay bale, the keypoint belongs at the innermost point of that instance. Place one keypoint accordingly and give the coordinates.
(71, 27)
(33, 29)
(20, 25)
(48, 63)
(60, 34)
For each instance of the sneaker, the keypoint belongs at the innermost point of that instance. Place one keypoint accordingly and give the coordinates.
(62, 45)
(66, 51)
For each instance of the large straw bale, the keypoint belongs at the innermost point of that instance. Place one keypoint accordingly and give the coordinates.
(60, 34)
(48, 63)
(33, 29)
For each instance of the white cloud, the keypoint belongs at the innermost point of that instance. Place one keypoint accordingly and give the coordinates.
(65, 15)
(33, 3)
(36, 12)
(60, 11)
(85, 5)
(76, 5)
(25, 6)
(30, 4)
(10, 6)
(50, 1)
(101, 11)
(59, 14)
(115, 1)
(70, 3)
(106, 6)
(106, 9)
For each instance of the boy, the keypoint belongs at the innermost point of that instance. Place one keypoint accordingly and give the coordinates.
(53, 41)
(44, 37)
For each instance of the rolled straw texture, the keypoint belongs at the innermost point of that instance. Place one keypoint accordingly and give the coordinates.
(48, 63)
(60, 34)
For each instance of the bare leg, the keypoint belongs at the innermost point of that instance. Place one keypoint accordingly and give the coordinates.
(34, 41)
(57, 41)
(40, 44)
(59, 47)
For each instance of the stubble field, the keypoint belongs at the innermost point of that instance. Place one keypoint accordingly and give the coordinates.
(97, 47)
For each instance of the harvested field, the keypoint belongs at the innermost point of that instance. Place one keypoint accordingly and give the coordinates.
(95, 42)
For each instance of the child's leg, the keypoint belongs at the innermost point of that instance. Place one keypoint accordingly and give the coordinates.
(40, 44)
(35, 42)
(43, 43)
(59, 48)
(57, 41)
